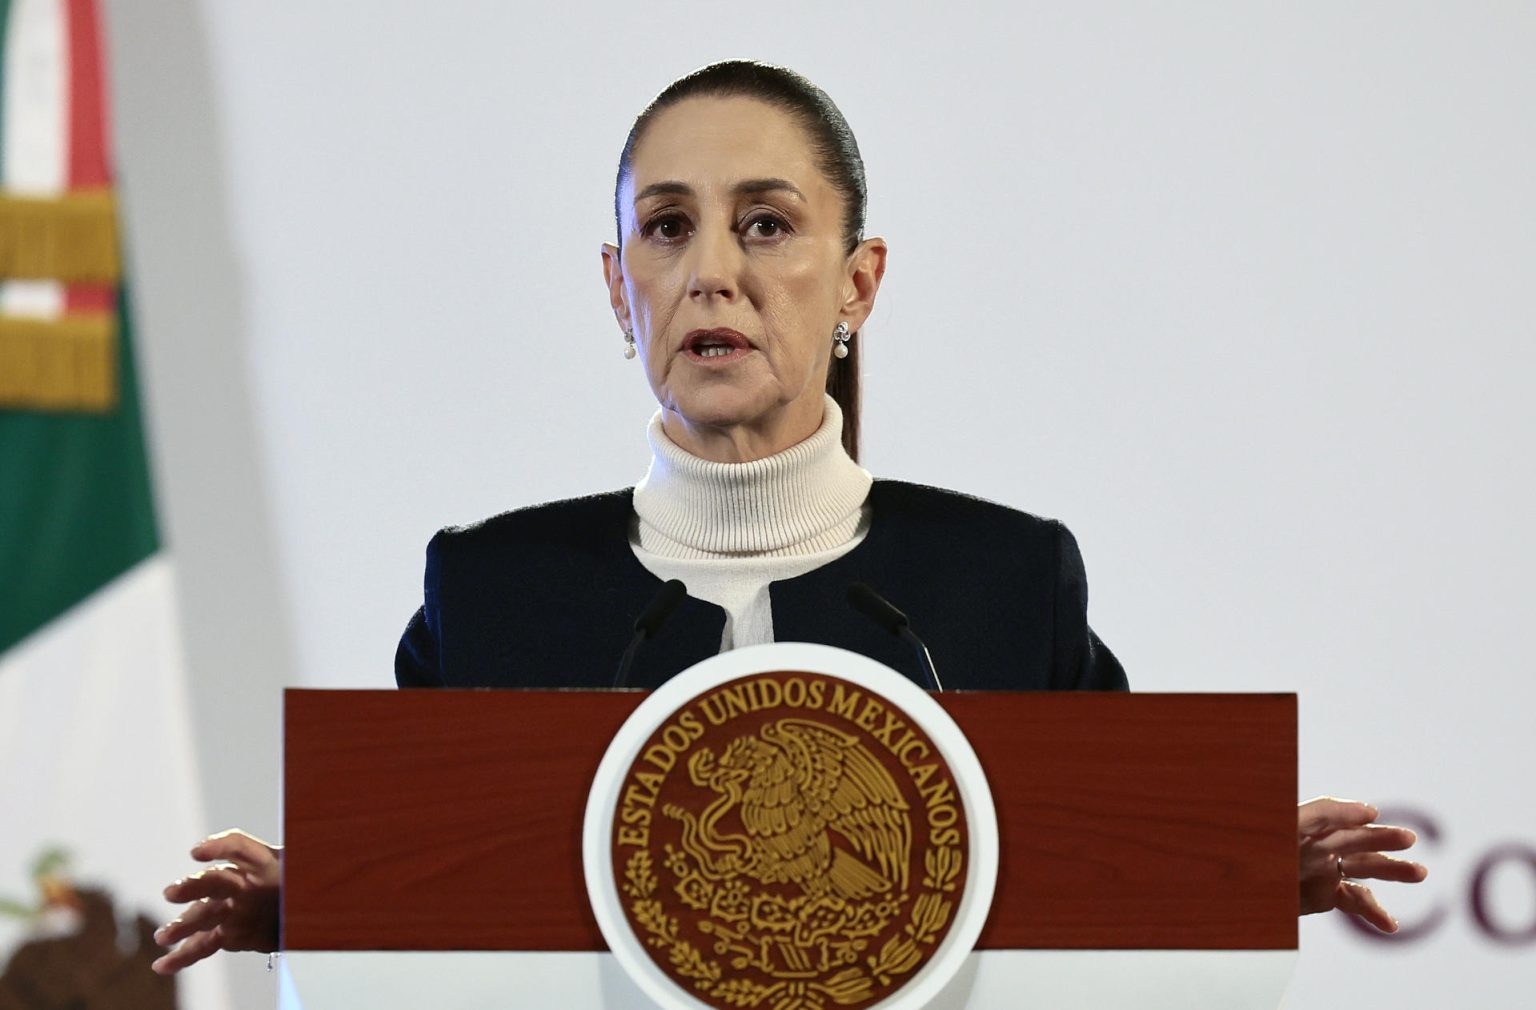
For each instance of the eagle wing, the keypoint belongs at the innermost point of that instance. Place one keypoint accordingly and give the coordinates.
(792, 846)
(841, 785)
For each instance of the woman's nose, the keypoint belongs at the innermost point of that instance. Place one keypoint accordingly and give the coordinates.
(716, 266)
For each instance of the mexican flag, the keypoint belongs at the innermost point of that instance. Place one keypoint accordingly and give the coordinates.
(97, 767)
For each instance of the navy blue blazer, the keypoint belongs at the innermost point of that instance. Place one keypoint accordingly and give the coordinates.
(547, 597)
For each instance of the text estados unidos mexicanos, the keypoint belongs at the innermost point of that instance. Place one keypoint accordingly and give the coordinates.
(835, 697)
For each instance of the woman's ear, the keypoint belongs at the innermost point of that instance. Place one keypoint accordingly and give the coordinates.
(613, 276)
(866, 268)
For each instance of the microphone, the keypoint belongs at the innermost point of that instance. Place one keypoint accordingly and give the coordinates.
(870, 603)
(649, 623)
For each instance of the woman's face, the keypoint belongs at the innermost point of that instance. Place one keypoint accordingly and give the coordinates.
(733, 275)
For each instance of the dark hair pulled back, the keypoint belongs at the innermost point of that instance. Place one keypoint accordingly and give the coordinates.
(837, 155)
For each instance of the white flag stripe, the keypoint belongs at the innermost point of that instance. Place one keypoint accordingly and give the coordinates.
(33, 299)
(36, 103)
(97, 755)
(35, 139)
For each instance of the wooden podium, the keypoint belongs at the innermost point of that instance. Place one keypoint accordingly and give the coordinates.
(1130, 824)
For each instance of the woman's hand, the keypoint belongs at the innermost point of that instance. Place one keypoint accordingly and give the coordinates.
(1339, 843)
(234, 902)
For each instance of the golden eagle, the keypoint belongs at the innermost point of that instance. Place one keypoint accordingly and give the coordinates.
(796, 784)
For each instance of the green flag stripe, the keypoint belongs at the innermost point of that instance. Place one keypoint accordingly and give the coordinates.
(76, 504)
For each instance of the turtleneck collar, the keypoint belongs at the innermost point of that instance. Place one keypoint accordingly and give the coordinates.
(803, 500)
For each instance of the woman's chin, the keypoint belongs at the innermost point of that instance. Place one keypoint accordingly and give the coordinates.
(725, 407)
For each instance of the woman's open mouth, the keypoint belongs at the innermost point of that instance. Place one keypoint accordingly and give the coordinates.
(716, 346)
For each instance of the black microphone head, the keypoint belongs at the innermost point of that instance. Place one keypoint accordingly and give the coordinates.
(870, 603)
(662, 604)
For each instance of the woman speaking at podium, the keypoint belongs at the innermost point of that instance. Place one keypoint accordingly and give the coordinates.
(740, 279)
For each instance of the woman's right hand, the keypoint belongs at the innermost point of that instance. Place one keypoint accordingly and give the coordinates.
(234, 903)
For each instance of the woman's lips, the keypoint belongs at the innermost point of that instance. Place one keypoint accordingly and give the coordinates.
(717, 346)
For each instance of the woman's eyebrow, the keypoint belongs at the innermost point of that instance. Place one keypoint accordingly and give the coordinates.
(664, 189)
(747, 187)
(752, 186)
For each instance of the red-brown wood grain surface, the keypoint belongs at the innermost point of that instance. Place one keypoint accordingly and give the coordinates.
(451, 820)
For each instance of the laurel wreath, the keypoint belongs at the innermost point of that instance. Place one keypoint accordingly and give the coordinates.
(898, 956)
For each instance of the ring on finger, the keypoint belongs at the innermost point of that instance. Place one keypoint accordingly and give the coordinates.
(1339, 862)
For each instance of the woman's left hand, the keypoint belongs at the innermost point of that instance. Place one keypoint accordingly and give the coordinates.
(1339, 843)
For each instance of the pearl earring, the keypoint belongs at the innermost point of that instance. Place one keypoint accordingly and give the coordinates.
(841, 336)
(629, 344)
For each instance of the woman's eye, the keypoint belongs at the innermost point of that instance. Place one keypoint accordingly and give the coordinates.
(668, 228)
(766, 226)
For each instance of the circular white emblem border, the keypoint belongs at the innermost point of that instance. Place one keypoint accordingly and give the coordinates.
(970, 783)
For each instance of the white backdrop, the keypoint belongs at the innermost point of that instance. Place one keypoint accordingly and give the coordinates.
(1241, 292)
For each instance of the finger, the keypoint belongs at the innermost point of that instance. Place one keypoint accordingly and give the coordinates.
(1373, 838)
(1357, 899)
(214, 882)
(247, 852)
(202, 915)
(194, 950)
(1319, 866)
(1327, 813)
(237, 847)
(1376, 866)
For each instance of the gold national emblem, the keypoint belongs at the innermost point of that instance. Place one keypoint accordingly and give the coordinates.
(789, 841)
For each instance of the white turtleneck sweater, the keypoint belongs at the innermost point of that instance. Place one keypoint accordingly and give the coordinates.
(727, 530)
